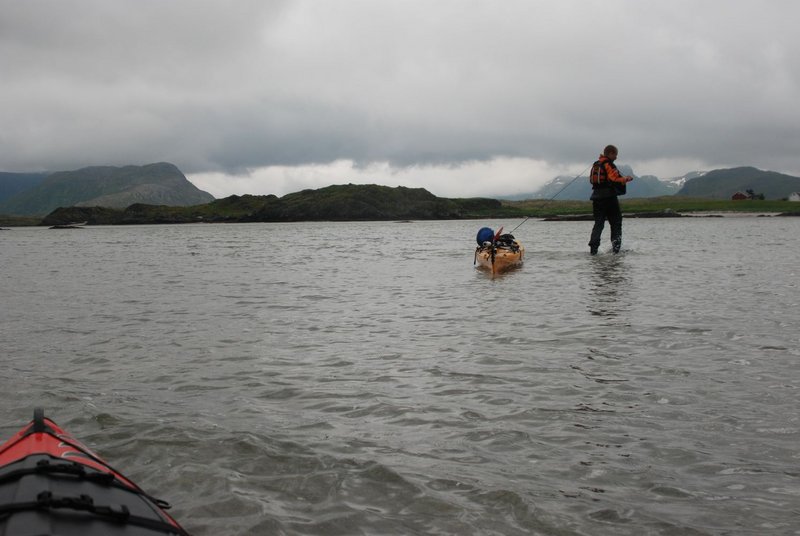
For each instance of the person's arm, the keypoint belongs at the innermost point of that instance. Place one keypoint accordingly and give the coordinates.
(613, 174)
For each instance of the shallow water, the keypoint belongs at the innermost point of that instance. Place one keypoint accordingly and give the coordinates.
(365, 378)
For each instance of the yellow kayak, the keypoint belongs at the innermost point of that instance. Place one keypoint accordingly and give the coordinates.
(499, 255)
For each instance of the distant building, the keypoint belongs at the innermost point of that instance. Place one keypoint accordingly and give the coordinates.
(794, 196)
(738, 196)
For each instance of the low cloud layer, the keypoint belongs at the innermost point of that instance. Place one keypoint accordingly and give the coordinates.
(463, 98)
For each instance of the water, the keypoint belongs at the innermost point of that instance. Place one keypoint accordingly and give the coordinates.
(365, 378)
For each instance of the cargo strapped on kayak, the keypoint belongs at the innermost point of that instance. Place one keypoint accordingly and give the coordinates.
(504, 242)
(84, 503)
(507, 241)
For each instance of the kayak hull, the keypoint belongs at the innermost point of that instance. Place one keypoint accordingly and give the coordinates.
(499, 259)
(51, 483)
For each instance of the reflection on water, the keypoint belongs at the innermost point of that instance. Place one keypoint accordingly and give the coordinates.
(609, 286)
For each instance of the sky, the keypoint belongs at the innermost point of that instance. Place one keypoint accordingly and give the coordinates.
(461, 97)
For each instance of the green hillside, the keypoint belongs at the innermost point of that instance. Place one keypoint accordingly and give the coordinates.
(723, 183)
(334, 203)
(12, 184)
(362, 202)
(107, 186)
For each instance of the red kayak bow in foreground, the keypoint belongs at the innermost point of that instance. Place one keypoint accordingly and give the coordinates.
(52, 484)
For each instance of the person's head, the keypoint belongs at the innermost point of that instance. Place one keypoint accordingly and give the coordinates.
(610, 152)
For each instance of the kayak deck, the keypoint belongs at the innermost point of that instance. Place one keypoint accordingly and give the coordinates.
(499, 258)
(51, 484)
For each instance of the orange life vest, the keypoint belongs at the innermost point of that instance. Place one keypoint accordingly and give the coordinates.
(599, 174)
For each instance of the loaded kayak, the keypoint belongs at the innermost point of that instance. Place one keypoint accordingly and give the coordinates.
(497, 252)
(52, 484)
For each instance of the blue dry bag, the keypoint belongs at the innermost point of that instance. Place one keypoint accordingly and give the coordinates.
(485, 234)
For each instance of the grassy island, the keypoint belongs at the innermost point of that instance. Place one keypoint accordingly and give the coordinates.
(382, 203)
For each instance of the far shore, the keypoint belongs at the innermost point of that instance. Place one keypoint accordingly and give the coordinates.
(728, 214)
(7, 226)
(246, 209)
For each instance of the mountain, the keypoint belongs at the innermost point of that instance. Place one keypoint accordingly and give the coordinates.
(723, 183)
(107, 186)
(565, 187)
(12, 184)
(678, 182)
(651, 186)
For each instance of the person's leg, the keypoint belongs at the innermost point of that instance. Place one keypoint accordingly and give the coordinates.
(599, 222)
(615, 222)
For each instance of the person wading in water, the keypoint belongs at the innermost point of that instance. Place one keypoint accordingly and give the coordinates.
(607, 184)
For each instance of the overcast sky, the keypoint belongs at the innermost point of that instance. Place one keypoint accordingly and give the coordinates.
(460, 97)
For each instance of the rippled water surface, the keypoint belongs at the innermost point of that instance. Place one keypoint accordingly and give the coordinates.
(365, 378)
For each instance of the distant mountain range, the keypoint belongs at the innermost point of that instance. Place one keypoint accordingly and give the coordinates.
(569, 187)
(717, 184)
(105, 186)
(163, 184)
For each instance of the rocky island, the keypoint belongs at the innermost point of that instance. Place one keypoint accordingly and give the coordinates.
(348, 202)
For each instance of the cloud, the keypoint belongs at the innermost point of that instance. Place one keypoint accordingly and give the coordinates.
(285, 92)
(496, 177)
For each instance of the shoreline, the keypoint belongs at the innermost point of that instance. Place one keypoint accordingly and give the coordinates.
(733, 214)
(674, 214)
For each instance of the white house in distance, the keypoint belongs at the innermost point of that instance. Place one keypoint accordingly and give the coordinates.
(794, 196)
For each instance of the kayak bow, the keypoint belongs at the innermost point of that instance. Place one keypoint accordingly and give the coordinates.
(499, 255)
(52, 484)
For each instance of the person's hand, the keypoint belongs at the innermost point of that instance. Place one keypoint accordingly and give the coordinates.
(628, 178)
